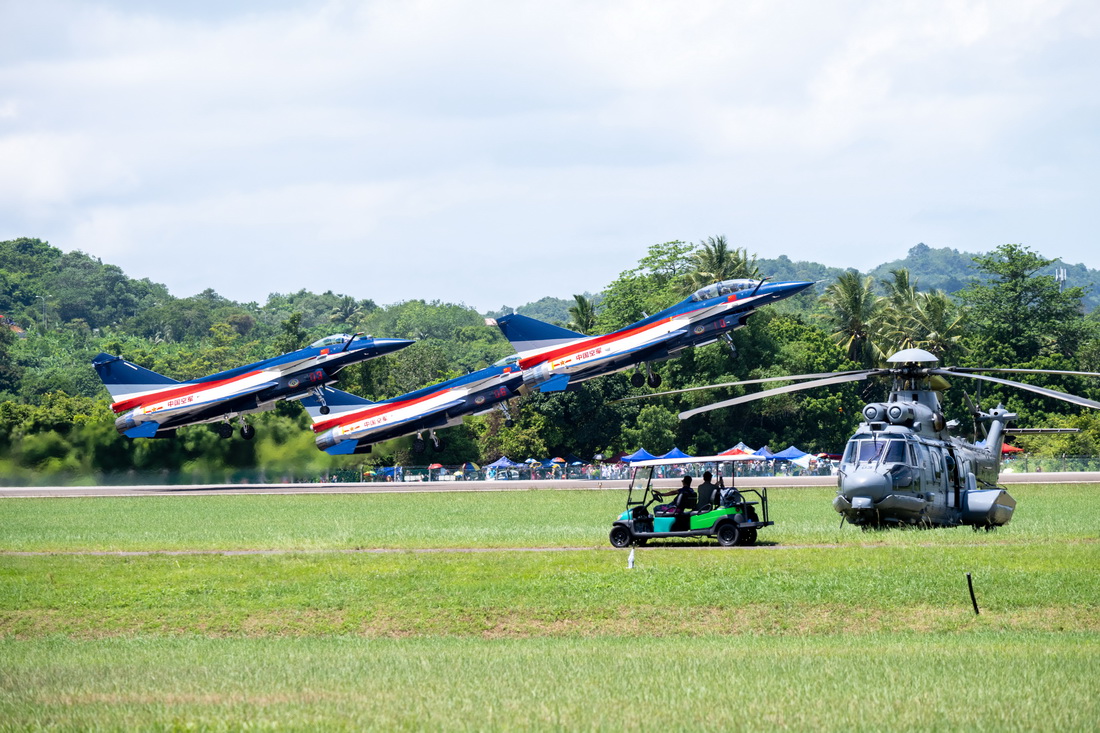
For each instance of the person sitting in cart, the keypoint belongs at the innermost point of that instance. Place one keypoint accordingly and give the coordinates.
(684, 501)
(708, 492)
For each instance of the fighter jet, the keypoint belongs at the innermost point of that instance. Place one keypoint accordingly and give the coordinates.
(151, 405)
(356, 424)
(553, 358)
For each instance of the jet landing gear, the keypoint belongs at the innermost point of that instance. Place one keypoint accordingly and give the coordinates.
(224, 430)
(419, 444)
(247, 431)
(651, 378)
(508, 421)
(320, 395)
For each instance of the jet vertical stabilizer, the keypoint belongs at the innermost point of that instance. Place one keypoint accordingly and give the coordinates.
(123, 378)
(529, 333)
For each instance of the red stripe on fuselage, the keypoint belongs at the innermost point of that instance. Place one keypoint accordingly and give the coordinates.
(578, 346)
(181, 391)
(371, 411)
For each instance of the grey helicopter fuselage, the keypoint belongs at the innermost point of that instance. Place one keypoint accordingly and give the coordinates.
(903, 468)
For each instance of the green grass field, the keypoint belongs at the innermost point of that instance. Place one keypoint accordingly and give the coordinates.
(456, 626)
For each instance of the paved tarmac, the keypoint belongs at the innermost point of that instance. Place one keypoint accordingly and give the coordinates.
(451, 486)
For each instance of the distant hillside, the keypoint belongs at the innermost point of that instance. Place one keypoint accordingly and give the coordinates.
(551, 310)
(943, 269)
(950, 270)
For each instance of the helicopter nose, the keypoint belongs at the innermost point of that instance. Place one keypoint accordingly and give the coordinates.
(864, 488)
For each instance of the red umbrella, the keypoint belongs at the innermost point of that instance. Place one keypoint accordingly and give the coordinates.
(1006, 448)
(436, 465)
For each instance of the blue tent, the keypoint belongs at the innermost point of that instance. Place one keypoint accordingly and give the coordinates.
(789, 454)
(675, 453)
(503, 462)
(764, 453)
(639, 455)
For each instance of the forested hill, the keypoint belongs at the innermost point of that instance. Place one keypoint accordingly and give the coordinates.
(932, 269)
(63, 308)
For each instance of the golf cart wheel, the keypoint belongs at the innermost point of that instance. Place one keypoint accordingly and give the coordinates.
(728, 534)
(620, 536)
(748, 536)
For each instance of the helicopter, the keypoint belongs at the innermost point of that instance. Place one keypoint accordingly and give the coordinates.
(903, 467)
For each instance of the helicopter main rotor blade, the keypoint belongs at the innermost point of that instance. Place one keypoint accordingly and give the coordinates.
(970, 370)
(736, 384)
(839, 379)
(1083, 402)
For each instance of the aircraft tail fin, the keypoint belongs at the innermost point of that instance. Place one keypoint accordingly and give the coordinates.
(123, 379)
(526, 333)
(335, 400)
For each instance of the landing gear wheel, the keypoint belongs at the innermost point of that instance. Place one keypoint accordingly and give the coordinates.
(637, 379)
(325, 409)
(620, 536)
(419, 446)
(509, 423)
(653, 380)
(225, 430)
(728, 534)
(748, 536)
(438, 446)
(248, 432)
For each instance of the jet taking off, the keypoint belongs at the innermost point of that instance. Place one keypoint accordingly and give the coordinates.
(153, 405)
(356, 424)
(552, 358)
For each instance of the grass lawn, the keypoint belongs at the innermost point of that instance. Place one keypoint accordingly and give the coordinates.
(825, 628)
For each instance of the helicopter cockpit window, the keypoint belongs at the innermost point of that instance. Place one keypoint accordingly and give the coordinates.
(336, 338)
(872, 451)
(895, 452)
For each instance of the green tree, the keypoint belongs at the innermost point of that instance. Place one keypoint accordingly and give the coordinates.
(582, 315)
(853, 313)
(714, 261)
(1026, 313)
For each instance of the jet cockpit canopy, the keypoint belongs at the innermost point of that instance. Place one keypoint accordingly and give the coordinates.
(726, 287)
(333, 340)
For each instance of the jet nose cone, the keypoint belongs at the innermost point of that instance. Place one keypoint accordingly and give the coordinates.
(386, 346)
(786, 290)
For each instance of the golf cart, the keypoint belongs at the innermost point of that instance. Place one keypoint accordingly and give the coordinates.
(732, 517)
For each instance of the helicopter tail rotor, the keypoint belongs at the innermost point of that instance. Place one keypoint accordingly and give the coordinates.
(975, 413)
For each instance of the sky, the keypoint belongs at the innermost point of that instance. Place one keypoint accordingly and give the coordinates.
(492, 153)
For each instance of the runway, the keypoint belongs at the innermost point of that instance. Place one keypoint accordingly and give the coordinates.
(771, 482)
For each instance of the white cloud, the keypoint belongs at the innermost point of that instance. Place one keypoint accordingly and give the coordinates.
(452, 149)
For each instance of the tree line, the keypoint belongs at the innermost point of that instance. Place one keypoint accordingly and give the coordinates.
(55, 415)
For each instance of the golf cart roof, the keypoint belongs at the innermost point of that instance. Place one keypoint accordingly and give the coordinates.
(694, 459)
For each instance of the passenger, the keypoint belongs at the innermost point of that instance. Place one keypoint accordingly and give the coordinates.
(708, 492)
(684, 501)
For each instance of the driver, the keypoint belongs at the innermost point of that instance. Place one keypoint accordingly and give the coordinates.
(684, 501)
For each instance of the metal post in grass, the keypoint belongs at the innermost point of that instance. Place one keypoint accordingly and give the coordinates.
(973, 599)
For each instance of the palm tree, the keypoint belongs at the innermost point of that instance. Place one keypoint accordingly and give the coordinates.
(345, 310)
(940, 324)
(715, 262)
(854, 313)
(582, 315)
(897, 325)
